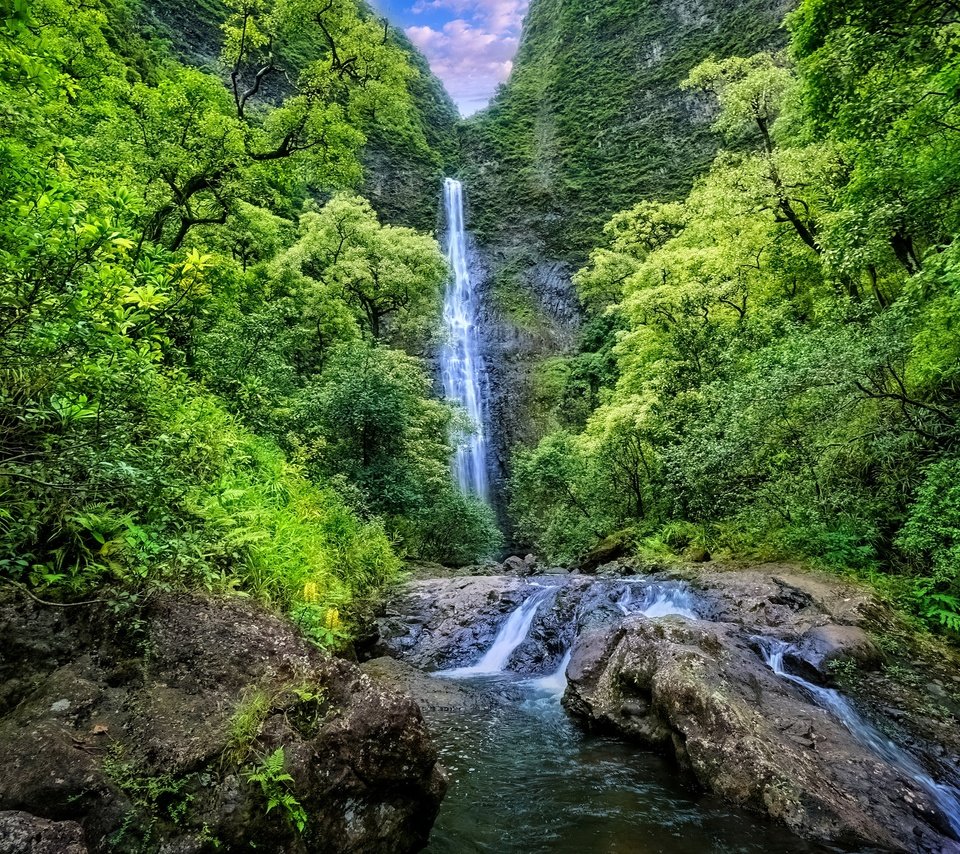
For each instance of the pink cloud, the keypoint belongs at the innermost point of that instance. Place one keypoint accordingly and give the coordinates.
(473, 53)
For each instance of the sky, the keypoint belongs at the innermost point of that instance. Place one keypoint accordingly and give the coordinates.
(470, 43)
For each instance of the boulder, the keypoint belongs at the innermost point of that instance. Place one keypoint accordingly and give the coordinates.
(822, 648)
(177, 736)
(451, 622)
(702, 693)
(22, 833)
(440, 623)
(615, 546)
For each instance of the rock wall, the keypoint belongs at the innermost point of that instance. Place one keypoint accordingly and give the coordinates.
(517, 336)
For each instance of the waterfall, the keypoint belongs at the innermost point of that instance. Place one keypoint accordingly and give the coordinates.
(460, 360)
(553, 684)
(659, 600)
(944, 797)
(513, 633)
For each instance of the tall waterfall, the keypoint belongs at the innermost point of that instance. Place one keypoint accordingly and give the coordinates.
(460, 359)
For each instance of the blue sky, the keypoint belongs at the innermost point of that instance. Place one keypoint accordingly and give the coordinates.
(470, 43)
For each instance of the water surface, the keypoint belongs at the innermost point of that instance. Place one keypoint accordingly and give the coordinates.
(525, 780)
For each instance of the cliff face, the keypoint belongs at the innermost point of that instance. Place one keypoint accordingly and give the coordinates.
(593, 118)
(592, 121)
(402, 176)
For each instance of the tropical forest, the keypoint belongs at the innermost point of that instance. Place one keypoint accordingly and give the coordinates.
(479, 426)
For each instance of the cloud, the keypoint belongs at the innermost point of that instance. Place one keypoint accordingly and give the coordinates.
(473, 53)
(498, 16)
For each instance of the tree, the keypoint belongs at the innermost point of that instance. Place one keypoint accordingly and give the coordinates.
(380, 271)
(751, 93)
(370, 418)
(358, 75)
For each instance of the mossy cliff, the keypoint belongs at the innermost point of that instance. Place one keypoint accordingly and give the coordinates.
(591, 121)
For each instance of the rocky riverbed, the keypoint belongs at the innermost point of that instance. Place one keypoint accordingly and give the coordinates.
(711, 707)
(694, 683)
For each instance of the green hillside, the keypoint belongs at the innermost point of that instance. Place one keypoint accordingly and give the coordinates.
(592, 118)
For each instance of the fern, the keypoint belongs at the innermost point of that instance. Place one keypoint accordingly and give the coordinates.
(945, 609)
(275, 784)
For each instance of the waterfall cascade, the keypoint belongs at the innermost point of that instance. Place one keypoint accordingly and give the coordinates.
(656, 600)
(553, 684)
(943, 796)
(659, 600)
(460, 360)
(513, 633)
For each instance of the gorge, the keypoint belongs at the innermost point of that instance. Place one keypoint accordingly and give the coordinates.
(578, 476)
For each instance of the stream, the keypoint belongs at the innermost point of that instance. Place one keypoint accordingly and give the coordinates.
(525, 779)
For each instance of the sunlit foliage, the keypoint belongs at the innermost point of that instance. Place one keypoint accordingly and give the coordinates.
(787, 376)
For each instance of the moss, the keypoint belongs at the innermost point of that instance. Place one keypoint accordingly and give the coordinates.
(592, 119)
(303, 703)
(550, 381)
(516, 303)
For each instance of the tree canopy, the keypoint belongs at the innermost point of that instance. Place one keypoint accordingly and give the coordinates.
(786, 368)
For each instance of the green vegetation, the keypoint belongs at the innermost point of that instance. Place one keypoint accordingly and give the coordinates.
(155, 800)
(203, 380)
(274, 785)
(786, 362)
(245, 724)
(213, 299)
(592, 118)
(303, 706)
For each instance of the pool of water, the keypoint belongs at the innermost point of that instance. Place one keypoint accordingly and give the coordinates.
(524, 779)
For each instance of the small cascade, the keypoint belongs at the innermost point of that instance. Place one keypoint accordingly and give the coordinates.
(513, 633)
(945, 797)
(659, 600)
(460, 360)
(553, 684)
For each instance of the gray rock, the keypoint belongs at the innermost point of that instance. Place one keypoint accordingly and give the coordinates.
(435, 624)
(700, 692)
(822, 647)
(92, 735)
(22, 833)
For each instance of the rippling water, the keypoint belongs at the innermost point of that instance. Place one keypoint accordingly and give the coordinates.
(524, 779)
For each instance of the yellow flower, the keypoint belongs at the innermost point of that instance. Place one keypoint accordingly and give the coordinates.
(310, 593)
(332, 619)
